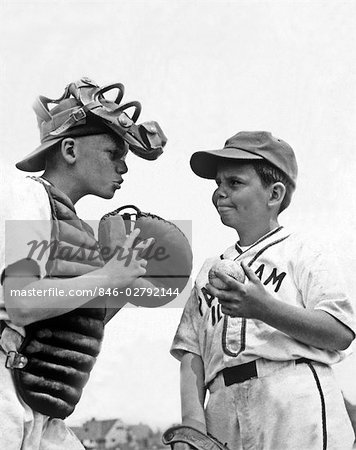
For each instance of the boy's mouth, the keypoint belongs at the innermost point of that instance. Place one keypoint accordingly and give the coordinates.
(117, 184)
(225, 210)
(222, 209)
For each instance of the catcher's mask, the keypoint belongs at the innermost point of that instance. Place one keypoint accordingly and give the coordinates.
(84, 109)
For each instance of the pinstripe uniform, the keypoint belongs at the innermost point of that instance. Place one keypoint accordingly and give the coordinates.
(285, 404)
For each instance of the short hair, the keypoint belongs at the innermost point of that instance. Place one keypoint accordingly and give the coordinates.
(269, 174)
(52, 155)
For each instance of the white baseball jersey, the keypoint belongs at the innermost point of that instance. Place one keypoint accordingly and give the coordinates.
(26, 203)
(26, 217)
(290, 270)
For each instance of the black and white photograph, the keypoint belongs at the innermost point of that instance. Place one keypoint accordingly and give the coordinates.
(178, 216)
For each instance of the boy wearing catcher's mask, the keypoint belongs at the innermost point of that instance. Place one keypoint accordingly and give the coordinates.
(263, 348)
(52, 328)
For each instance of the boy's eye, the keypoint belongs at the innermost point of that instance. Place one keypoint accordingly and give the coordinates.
(234, 182)
(112, 154)
(116, 154)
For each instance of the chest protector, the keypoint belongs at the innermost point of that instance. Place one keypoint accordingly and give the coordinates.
(57, 354)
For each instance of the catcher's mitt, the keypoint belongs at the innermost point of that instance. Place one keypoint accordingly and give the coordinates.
(193, 437)
(169, 259)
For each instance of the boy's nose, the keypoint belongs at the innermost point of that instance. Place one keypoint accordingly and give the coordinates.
(121, 167)
(220, 192)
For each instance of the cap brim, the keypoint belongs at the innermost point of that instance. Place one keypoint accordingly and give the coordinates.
(35, 161)
(204, 163)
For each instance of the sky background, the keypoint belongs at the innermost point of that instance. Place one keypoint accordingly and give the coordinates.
(204, 70)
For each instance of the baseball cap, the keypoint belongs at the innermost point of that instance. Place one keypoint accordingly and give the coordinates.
(84, 109)
(248, 145)
(49, 121)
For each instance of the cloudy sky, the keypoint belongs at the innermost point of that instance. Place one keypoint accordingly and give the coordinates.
(204, 70)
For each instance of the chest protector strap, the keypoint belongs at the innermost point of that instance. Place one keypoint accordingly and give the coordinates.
(58, 354)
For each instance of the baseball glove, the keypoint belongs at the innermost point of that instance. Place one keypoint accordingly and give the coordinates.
(169, 258)
(193, 437)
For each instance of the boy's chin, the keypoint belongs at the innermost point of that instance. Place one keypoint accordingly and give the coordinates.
(228, 223)
(106, 195)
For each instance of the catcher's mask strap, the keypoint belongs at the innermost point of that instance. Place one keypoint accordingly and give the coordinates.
(145, 140)
(74, 117)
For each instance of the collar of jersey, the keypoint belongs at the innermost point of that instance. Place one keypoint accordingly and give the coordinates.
(236, 251)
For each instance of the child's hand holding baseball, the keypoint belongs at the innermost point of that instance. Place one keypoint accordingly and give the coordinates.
(241, 299)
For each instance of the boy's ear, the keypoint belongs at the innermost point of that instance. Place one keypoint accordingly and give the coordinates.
(69, 150)
(277, 193)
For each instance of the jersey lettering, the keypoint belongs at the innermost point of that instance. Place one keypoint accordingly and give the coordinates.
(208, 297)
(274, 278)
(200, 306)
(259, 271)
(216, 314)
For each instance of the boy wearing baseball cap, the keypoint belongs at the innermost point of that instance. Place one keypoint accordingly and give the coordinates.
(263, 348)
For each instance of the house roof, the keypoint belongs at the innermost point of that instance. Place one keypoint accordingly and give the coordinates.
(97, 429)
(141, 430)
(79, 432)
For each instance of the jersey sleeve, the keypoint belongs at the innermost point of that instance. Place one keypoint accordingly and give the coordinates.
(27, 228)
(25, 232)
(186, 338)
(322, 287)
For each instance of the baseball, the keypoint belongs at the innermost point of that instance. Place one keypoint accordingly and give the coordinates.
(227, 267)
